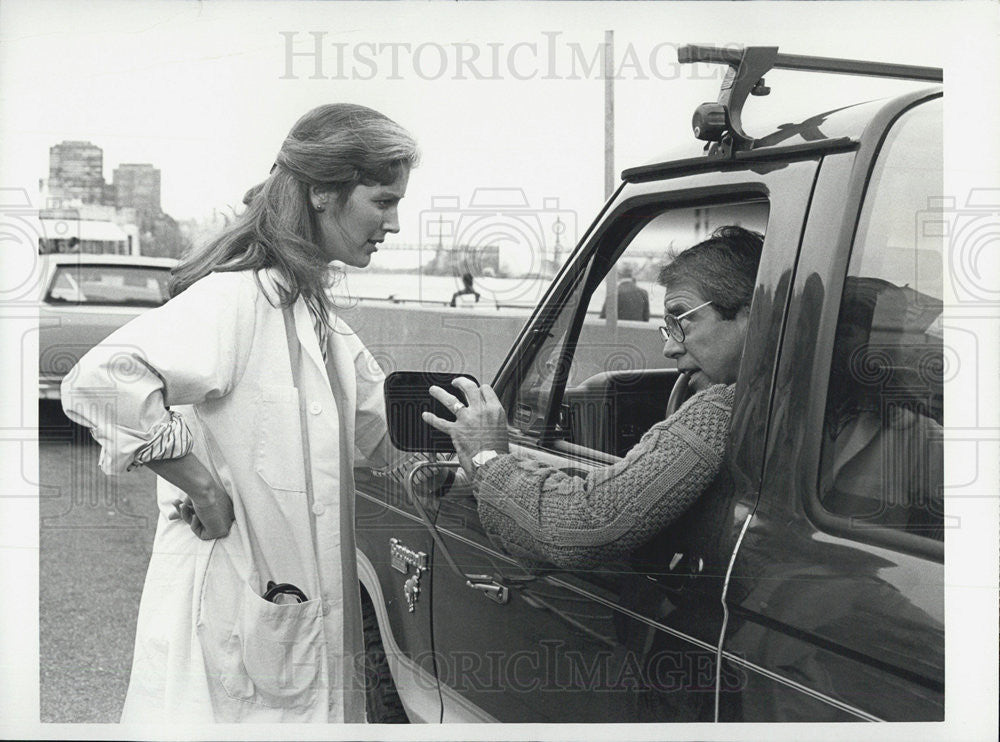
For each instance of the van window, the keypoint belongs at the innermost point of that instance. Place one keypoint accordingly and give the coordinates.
(617, 379)
(881, 460)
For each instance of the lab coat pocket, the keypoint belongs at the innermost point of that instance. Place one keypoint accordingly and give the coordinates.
(281, 649)
(278, 458)
(257, 653)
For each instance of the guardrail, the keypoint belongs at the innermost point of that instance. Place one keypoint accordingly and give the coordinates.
(392, 299)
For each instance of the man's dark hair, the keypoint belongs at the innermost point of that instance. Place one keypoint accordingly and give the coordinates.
(723, 268)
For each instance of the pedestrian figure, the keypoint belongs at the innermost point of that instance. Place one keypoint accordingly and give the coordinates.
(466, 293)
(633, 302)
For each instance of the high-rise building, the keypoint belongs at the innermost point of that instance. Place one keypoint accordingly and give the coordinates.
(76, 192)
(137, 186)
(76, 171)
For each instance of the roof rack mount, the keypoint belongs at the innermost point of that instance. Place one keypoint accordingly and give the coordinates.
(721, 122)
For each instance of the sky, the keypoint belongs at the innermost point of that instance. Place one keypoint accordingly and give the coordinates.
(499, 96)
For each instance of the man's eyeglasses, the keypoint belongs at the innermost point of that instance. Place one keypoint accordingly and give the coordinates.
(672, 330)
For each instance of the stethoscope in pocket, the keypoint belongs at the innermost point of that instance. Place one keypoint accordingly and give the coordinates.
(284, 593)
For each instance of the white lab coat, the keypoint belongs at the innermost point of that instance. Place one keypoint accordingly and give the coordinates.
(218, 354)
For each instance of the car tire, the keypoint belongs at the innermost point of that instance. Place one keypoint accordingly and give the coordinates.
(382, 702)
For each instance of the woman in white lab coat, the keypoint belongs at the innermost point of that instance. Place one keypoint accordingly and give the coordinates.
(201, 390)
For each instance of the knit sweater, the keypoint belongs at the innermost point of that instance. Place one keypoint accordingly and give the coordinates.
(533, 509)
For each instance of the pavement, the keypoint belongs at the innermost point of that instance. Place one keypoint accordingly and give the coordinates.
(96, 535)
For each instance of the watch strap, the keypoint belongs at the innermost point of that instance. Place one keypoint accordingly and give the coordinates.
(483, 457)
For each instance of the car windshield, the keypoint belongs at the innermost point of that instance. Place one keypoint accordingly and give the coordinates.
(115, 285)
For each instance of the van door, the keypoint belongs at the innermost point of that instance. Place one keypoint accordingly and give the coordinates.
(636, 639)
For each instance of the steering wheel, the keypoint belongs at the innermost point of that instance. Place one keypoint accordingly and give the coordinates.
(679, 394)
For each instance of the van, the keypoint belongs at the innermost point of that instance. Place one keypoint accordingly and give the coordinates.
(812, 590)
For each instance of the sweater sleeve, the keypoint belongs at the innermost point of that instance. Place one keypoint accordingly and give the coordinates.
(533, 509)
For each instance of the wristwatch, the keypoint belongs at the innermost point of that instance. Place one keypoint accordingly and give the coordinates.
(482, 457)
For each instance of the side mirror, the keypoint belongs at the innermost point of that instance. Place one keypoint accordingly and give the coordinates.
(406, 397)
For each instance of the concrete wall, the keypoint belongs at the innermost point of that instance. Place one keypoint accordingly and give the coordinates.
(408, 337)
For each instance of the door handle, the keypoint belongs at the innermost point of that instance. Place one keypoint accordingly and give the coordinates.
(489, 587)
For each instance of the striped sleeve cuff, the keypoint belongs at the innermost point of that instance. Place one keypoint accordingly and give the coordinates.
(171, 440)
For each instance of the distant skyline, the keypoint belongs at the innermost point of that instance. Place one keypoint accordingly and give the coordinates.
(207, 91)
(77, 172)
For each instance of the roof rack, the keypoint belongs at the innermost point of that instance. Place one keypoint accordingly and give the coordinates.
(720, 123)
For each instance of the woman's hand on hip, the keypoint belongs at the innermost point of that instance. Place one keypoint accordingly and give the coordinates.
(208, 520)
(206, 507)
(480, 421)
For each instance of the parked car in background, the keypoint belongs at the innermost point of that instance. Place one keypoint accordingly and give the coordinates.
(812, 588)
(83, 299)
